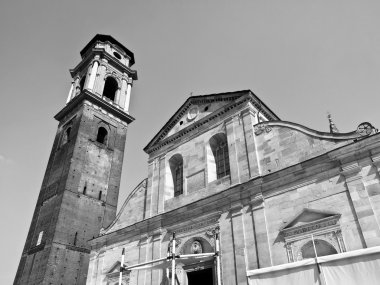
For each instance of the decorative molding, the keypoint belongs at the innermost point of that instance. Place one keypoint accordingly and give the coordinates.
(311, 227)
(197, 226)
(257, 202)
(260, 128)
(235, 208)
(325, 229)
(350, 168)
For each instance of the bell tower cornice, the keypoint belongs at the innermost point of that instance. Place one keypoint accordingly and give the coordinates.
(86, 95)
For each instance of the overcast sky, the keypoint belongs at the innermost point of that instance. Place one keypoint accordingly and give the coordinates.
(302, 58)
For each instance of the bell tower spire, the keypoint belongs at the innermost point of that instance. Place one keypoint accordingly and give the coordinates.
(80, 189)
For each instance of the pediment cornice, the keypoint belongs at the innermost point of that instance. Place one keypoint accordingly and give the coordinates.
(236, 98)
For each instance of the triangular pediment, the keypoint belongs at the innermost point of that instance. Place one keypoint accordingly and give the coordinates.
(199, 108)
(114, 268)
(307, 216)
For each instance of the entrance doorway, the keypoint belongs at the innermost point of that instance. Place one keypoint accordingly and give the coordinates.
(200, 277)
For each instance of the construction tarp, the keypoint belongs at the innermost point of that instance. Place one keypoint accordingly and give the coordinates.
(354, 267)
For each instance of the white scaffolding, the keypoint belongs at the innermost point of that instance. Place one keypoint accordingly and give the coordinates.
(164, 263)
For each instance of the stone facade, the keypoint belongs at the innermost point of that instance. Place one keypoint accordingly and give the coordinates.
(276, 191)
(287, 185)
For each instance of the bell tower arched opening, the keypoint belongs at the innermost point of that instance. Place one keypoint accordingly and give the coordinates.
(110, 88)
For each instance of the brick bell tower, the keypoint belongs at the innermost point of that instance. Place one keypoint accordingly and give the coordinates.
(80, 189)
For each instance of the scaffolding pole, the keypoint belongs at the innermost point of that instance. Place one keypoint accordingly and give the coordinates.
(173, 259)
(121, 266)
(217, 254)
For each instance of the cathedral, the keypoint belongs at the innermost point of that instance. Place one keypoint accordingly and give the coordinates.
(233, 195)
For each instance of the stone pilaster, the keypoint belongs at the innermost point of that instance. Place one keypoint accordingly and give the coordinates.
(250, 240)
(239, 169)
(156, 248)
(99, 83)
(149, 257)
(227, 250)
(142, 258)
(123, 91)
(248, 117)
(239, 243)
(151, 171)
(261, 232)
(155, 186)
(161, 187)
(362, 206)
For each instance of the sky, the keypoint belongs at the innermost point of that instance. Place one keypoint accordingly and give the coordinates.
(302, 58)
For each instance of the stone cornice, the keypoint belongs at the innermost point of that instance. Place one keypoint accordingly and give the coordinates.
(195, 128)
(98, 101)
(350, 169)
(311, 227)
(322, 135)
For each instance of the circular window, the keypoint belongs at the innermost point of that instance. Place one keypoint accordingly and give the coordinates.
(193, 113)
(118, 56)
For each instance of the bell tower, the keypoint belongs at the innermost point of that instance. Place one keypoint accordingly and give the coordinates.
(79, 192)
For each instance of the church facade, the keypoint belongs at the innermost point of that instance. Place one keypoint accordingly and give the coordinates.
(276, 191)
(226, 175)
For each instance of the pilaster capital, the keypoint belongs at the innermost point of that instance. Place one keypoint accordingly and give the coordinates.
(156, 234)
(235, 208)
(247, 111)
(257, 202)
(144, 239)
(350, 169)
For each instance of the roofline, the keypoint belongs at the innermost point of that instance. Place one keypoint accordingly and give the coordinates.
(105, 38)
(248, 91)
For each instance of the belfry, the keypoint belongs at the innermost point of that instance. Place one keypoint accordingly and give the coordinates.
(80, 188)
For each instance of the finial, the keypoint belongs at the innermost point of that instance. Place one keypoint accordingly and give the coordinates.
(333, 128)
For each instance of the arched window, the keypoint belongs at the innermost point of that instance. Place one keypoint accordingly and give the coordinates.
(39, 240)
(66, 136)
(219, 148)
(321, 247)
(176, 167)
(102, 136)
(110, 88)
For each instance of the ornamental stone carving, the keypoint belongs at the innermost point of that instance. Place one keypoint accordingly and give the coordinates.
(196, 247)
(259, 129)
(312, 226)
